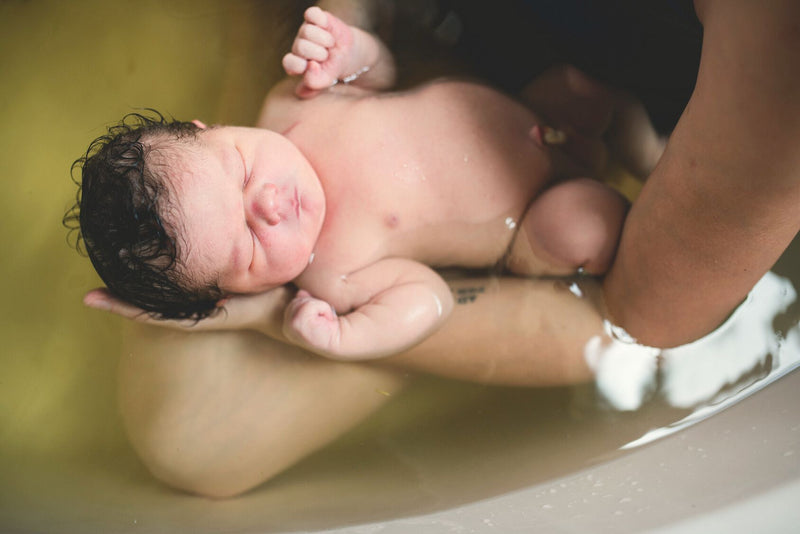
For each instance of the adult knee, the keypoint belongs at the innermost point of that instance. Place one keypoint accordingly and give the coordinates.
(188, 456)
(178, 396)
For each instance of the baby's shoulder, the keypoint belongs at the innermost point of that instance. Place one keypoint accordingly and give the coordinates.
(283, 108)
(449, 86)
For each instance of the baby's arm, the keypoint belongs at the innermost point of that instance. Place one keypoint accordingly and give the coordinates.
(395, 303)
(327, 51)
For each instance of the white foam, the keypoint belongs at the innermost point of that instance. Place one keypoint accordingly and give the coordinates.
(692, 374)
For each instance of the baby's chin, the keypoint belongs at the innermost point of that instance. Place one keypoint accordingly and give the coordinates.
(246, 292)
(255, 289)
(253, 285)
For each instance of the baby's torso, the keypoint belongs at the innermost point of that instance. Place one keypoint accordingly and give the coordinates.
(440, 175)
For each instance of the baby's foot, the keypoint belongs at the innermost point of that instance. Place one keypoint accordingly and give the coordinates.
(321, 52)
(311, 323)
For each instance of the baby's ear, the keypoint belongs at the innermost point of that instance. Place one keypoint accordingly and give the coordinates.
(199, 124)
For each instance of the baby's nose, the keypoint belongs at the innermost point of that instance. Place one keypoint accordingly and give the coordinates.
(264, 205)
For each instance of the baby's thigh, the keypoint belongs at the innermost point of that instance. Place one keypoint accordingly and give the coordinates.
(572, 225)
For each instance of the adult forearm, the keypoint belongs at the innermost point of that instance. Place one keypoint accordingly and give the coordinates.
(687, 259)
(721, 206)
(511, 331)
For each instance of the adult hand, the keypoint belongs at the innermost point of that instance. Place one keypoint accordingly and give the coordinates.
(262, 312)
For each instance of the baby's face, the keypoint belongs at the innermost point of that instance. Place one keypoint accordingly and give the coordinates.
(248, 207)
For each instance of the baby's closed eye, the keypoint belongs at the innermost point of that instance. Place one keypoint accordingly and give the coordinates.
(245, 172)
(256, 243)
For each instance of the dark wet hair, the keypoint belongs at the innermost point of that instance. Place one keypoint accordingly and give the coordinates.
(118, 220)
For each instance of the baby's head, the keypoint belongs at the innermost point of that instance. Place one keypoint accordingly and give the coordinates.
(122, 202)
(176, 216)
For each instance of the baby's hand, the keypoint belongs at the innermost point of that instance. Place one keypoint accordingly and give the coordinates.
(311, 323)
(321, 52)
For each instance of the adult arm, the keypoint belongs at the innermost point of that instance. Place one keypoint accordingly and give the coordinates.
(722, 204)
(219, 412)
(513, 332)
(502, 331)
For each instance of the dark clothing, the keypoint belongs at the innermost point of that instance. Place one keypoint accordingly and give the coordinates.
(649, 47)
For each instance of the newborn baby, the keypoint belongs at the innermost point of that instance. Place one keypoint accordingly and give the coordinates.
(351, 194)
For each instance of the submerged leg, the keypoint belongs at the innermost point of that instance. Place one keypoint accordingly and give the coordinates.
(218, 413)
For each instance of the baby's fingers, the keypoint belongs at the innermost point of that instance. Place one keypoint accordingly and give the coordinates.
(294, 65)
(309, 50)
(311, 323)
(316, 78)
(316, 15)
(316, 35)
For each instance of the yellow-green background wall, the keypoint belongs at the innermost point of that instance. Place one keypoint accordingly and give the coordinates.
(67, 70)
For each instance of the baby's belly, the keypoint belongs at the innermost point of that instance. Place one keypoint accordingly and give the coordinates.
(484, 170)
(459, 244)
(444, 175)
(477, 137)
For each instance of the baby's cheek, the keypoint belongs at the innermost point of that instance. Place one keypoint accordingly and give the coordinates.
(302, 257)
(286, 263)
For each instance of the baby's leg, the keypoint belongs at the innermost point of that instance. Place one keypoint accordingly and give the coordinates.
(572, 225)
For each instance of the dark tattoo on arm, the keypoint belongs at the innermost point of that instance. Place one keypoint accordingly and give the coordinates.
(467, 295)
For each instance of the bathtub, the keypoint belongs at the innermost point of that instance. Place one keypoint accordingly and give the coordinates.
(483, 459)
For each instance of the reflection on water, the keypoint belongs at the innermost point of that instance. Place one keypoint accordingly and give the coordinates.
(744, 349)
(747, 353)
(716, 364)
(743, 356)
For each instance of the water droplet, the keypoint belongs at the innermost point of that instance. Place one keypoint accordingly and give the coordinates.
(617, 332)
(576, 290)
